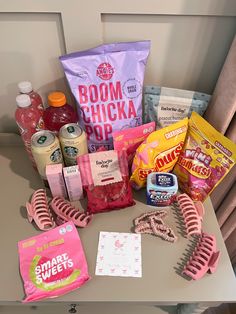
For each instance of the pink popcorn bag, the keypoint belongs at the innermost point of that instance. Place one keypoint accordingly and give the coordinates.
(107, 82)
(52, 263)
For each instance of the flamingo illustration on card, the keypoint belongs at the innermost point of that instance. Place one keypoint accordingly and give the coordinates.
(119, 254)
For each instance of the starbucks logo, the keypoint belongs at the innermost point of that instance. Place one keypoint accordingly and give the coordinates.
(71, 151)
(56, 156)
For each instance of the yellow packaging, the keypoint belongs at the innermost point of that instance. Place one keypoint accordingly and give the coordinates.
(159, 152)
(206, 158)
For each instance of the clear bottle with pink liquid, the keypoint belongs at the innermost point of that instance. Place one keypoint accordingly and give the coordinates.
(25, 87)
(29, 118)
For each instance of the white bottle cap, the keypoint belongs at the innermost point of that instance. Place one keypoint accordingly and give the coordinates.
(25, 87)
(23, 101)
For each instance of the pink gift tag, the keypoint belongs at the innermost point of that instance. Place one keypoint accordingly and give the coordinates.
(119, 254)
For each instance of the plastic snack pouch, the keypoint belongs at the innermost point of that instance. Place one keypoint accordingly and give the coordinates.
(158, 153)
(52, 263)
(206, 158)
(166, 105)
(130, 139)
(107, 82)
(105, 178)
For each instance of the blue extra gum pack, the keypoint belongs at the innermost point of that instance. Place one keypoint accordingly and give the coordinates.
(161, 188)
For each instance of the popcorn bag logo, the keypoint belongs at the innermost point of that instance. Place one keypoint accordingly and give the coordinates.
(103, 105)
(105, 71)
(50, 274)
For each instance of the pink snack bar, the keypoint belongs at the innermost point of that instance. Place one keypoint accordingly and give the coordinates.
(52, 263)
(131, 138)
(55, 179)
(73, 183)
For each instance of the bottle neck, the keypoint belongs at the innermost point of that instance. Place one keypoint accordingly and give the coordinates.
(26, 107)
(57, 106)
(21, 93)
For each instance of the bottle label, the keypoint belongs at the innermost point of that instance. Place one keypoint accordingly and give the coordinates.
(40, 107)
(40, 125)
(21, 129)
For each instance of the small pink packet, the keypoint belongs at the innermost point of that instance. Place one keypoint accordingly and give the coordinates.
(52, 263)
(131, 138)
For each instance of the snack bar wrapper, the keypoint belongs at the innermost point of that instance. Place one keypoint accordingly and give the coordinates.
(130, 139)
(107, 82)
(52, 263)
(206, 158)
(158, 153)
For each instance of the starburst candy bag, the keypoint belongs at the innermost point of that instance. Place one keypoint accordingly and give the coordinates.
(107, 83)
(206, 158)
(158, 153)
(105, 178)
(52, 263)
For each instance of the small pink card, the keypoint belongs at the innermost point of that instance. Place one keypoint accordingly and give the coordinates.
(119, 254)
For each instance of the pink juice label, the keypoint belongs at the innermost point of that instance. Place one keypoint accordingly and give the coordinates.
(107, 83)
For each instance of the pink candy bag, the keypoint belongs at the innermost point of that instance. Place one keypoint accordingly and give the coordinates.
(52, 263)
(105, 178)
(107, 83)
(130, 139)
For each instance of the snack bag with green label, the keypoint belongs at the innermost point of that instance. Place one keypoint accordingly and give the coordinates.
(52, 263)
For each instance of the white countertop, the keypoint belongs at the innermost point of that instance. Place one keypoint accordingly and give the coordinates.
(160, 283)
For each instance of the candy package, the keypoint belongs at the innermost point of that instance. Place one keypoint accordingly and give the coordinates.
(158, 153)
(206, 158)
(105, 178)
(166, 106)
(130, 139)
(107, 82)
(52, 263)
